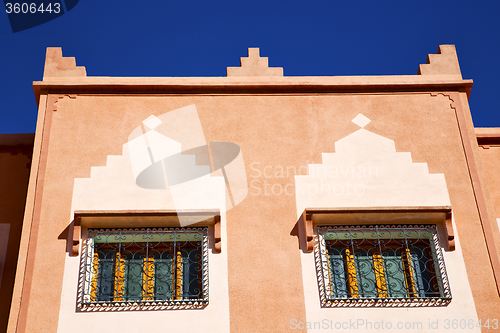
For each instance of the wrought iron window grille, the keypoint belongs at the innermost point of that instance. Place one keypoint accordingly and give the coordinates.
(152, 268)
(381, 265)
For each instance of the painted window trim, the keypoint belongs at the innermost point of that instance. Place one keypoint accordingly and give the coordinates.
(140, 218)
(366, 240)
(440, 216)
(88, 299)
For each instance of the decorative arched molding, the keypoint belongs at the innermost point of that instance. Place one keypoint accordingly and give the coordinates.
(367, 182)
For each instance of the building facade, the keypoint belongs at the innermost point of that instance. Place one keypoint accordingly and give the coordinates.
(15, 162)
(258, 202)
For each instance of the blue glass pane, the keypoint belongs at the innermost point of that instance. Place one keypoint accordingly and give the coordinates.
(394, 273)
(337, 272)
(365, 274)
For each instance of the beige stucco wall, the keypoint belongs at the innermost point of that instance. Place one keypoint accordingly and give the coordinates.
(490, 157)
(409, 319)
(261, 280)
(372, 174)
(213, 318)
(279, 135)
(113, 187)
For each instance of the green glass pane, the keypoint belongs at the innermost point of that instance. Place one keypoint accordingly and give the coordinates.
(394, 274)
(371, 234)
(191, 273)
(336, 271)
(163, 279)
(365, 274)
(145, 237)
(105, 278)
(133, 279)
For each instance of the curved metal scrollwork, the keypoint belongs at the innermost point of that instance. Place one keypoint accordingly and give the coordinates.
(397, 264)
(145, 267)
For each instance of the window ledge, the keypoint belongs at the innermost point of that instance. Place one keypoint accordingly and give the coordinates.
(387, 302)
(438, 215)
(140, 219)
(142, 306)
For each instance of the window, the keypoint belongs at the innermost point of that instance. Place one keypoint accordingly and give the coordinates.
(146, 266)
(382, 264)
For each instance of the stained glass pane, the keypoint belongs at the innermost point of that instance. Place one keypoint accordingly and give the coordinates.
(378, 262)
(140, 266)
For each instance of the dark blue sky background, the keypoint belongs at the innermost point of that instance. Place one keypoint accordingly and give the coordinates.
(202, 38)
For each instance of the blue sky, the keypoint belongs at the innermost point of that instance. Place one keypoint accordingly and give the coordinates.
(202, 38)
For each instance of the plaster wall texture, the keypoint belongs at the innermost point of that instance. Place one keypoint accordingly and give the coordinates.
(279, 135)
(282, 125)
(394, 181)
(418, 319)
(486, 210)
(213, 318)
(114, 187)
(366, 171)
(15, 161)
(490, 158)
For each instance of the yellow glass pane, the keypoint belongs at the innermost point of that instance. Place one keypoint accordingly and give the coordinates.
(148, 281)
(119, 277)
(95, 271)
(410, 278)
(178, 275)
(329, 273)
(351, 274)
(378, 265)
